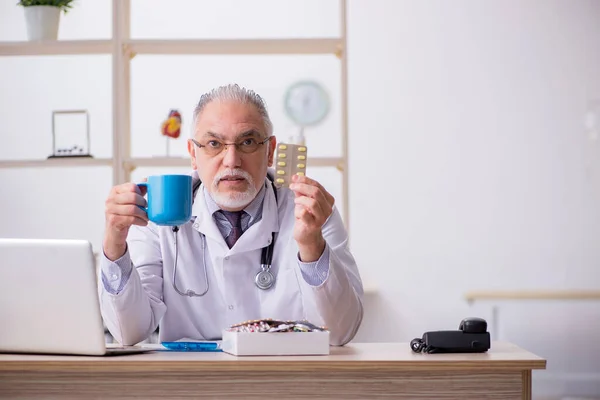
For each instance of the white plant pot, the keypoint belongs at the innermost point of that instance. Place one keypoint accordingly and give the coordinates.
(42, 22)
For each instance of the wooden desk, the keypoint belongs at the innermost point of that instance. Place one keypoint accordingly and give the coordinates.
(355, 371)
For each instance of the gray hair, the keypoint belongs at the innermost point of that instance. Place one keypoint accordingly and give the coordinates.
(233, 92)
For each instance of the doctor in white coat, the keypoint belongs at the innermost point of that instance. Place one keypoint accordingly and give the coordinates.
(236, 213)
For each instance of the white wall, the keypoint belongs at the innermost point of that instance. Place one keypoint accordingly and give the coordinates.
(472, 112)
(465, 127)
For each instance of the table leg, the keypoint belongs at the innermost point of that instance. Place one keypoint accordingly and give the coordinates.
(526, 385)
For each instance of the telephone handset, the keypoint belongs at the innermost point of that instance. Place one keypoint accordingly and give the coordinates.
(471, 337)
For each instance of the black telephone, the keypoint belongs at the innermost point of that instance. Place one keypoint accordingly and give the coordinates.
(471, 337)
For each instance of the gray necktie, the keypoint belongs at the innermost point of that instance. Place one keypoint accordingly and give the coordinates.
(235, 219)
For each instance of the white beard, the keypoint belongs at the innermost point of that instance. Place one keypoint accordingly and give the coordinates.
(233, 199)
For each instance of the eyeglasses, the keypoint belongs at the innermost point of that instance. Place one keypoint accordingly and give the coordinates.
(247, 146)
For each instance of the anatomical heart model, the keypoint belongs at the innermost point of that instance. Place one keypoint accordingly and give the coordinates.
(171, 127)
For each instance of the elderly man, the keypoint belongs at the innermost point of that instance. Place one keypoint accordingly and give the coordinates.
(207, 281)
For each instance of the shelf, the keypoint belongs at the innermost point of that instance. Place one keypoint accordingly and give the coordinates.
(183, 46)
(58, 47)
(369, 287)
(136, 162)
(57, 162)
(236, 46)
(185, 162)
(533, 295)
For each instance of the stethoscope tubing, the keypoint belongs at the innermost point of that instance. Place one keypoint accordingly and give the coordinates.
(264, 278)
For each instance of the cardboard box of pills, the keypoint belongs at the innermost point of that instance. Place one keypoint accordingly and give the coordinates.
(275, 343)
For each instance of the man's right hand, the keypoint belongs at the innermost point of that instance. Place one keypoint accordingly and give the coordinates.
(121, 212)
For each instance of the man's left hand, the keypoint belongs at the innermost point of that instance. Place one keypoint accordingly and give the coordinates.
(314, 205)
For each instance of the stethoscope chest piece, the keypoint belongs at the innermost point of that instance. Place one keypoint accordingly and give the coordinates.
(264, 279)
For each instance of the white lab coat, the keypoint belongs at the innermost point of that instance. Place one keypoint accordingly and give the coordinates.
(148, 298)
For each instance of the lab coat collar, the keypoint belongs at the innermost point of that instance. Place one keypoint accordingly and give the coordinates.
(255, 237)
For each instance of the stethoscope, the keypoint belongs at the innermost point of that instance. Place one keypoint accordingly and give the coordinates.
(264, 279)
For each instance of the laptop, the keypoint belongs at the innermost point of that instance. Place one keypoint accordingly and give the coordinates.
(49, 299)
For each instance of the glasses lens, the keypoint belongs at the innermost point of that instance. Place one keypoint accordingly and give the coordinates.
(247, 146)
(213, 147)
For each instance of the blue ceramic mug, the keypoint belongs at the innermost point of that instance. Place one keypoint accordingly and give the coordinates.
(169, 199)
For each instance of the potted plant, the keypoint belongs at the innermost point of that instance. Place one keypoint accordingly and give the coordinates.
(42, 17)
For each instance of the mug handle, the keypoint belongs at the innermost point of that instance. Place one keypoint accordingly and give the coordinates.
(143, 184)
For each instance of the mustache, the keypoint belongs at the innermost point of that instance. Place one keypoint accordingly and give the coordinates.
(238, 172)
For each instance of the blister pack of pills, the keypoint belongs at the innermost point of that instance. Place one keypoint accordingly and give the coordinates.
(290, 160)
(273, 325)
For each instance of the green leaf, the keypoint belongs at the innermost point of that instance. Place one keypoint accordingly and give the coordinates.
(64, 5)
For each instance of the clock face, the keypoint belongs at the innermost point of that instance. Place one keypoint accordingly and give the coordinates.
(306, 103)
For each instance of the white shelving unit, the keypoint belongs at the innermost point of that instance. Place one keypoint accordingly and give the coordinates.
(123, 49)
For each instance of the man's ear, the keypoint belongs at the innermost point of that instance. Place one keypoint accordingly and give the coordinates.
(192, 150)
(272, 145)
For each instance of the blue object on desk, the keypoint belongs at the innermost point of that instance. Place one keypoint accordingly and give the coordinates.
(192, 346)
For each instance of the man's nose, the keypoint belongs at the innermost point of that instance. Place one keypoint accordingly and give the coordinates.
(231, 157)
